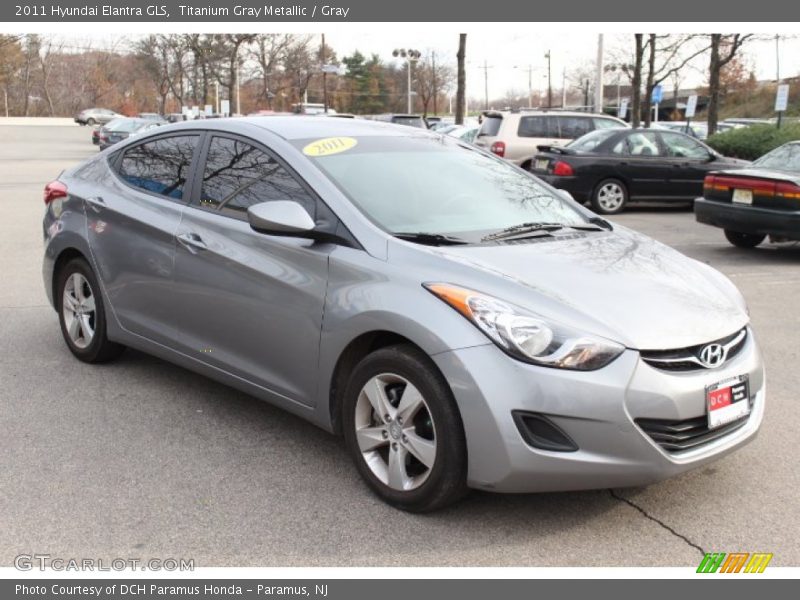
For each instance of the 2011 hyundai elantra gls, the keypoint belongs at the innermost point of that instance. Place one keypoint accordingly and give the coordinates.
(461, 323)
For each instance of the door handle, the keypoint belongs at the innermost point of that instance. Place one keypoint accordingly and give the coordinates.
(192, 242)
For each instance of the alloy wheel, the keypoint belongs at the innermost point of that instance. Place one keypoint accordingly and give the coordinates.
(395, 432)
(610, 196)
(79, 310)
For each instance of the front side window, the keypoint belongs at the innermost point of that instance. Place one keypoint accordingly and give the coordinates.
(238, 175)
(682, 146)
(160, 166)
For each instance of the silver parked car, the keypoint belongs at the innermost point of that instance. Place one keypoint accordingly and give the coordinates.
(461, 323)
(96, 116)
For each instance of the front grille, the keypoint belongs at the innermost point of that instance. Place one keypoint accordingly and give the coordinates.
(688, 359)
(678, 436)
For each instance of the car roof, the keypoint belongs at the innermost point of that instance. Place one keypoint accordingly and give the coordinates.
(546, 111)
(296, 127)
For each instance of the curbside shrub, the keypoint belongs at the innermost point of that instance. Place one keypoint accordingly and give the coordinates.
(749, 143)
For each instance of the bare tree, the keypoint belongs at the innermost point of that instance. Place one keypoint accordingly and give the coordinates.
(636, 80)
(432, 78)
(461, 78)
(667, 55)
(723, 50)
(49, 54)
(269, 52)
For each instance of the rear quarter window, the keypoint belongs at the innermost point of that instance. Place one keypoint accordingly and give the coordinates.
(491, 126)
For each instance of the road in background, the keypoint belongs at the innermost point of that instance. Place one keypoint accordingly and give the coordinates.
(140, 458)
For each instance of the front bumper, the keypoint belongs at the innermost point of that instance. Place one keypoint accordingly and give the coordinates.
(748, 219)
(595, 409)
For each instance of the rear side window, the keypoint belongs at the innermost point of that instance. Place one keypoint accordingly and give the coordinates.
(238, 175)
(160, 166)
(574, 127)
(534, 127)
(491, 126)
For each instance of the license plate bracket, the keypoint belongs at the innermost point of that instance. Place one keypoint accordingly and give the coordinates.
(728, 401)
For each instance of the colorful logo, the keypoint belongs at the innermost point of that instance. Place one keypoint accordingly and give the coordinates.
(735, 562)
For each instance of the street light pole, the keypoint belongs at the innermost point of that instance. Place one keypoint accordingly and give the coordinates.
(411, 56)
(549, 82)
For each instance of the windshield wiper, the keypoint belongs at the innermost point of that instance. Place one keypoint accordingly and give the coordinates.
(524, 228)
(430, 239)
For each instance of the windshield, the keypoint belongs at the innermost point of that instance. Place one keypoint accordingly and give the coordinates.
(785, 158)
(427, 184)
(124, 125)
(592, 140)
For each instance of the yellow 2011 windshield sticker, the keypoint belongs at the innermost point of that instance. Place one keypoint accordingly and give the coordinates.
(328, 146)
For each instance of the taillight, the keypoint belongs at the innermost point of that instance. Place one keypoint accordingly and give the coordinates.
(53, 191)
(708, 182)
(562, 169)
(498, 148)
(787, 190)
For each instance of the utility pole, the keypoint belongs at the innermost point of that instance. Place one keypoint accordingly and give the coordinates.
(598, 84)
(324, 77)
(564, 88)
(549, 82)
(238, 91)
(485, 68)
(777, 58)
(435, 89)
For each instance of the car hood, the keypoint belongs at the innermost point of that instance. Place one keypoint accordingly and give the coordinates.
(758, 173)
(617, 284)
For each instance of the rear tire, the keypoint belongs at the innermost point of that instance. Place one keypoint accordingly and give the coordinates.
(610, 197)
(404, 431)
(91, 122)
(744, 240)
(82, 315)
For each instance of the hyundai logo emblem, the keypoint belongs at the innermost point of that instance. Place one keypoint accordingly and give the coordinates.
(712, 355)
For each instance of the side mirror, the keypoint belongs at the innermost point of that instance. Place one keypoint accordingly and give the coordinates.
(281, 217)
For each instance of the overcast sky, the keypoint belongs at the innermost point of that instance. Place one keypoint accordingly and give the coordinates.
(503, 50)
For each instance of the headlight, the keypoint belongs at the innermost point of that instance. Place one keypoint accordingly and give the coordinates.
(526, 336)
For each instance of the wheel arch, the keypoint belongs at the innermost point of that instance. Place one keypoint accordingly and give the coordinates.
(358, 348)
(64, 256)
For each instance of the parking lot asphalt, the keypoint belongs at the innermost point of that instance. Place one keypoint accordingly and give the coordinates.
(141, 459)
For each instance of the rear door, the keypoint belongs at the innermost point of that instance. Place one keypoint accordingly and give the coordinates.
(252, 302)
(132, 221)
(641, 163)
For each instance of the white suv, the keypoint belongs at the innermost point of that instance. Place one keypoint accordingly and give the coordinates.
(514, 135)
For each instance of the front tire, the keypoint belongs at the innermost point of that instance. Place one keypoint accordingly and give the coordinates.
(403, 430)
(744, 240)
(609, 197)
(91, 122)
(82, 315)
